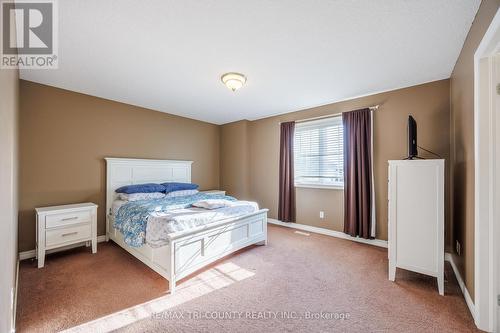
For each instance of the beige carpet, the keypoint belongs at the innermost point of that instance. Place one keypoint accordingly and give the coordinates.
(297, 283)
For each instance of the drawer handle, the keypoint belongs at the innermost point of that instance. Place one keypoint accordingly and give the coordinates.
(70, 218)
(70, 233)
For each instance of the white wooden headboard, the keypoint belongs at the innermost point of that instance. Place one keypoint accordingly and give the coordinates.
(128, 171)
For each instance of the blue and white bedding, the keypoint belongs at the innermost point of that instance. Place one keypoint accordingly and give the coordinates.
(169, 215)
(161, 224)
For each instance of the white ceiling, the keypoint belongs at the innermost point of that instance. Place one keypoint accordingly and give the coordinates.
(169, 55)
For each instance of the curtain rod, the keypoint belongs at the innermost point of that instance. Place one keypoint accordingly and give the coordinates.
(372, 108)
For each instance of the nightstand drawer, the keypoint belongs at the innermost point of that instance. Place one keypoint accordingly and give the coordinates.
(62, 219)
(59, 236)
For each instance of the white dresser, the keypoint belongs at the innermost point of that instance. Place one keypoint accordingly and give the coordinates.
(60, 226)
(416, 218)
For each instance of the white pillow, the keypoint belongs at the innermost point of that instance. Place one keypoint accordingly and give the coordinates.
(140, 196)
(213, 203)
(180, 193)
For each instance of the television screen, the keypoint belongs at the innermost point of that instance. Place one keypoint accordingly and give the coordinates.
(412, 138)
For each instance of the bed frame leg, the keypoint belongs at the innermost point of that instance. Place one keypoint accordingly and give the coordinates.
(171, 286)
(171, 280)
(264, 242)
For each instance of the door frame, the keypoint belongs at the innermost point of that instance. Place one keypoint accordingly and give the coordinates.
(486, 170)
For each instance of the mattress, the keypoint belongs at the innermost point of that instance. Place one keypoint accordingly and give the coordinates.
(162, 224)
(152, 221)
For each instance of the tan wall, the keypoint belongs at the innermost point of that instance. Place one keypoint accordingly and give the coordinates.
(9, 96)
(234, 159)
(65, 135)
(462, 142)
(428, 103)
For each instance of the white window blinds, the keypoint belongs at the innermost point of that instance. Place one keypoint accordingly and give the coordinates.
(318, 153)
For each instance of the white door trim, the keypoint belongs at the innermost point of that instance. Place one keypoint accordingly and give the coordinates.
(484, 177)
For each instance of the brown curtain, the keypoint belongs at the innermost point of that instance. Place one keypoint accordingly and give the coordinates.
(286, 205)
(357, 173)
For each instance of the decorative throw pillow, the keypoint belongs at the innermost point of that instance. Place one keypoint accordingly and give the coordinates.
(181, 193)
(141, 188)
(173, 186)
(141, 196)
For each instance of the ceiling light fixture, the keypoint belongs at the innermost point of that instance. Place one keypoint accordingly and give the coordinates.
(233, 81)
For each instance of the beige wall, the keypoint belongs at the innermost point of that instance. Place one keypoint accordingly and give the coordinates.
(65, 135)
(428, 103)
(9, 96)
(234, 159)
(462, 142)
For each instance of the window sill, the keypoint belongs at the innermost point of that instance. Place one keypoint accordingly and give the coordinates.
(319, 186)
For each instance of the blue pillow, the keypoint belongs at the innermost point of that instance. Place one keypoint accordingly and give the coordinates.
(172, 186)
(141, 188)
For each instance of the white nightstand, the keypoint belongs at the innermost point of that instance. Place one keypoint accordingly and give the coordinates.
(214, 192)
(59, 226)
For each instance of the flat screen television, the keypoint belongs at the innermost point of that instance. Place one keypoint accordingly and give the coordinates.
(412, 138)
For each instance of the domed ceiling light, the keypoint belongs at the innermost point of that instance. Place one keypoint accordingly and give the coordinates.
(233, 81)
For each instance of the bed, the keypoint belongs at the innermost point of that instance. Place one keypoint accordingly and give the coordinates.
(182, 252)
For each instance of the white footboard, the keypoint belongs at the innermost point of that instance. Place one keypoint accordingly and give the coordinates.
(189, 251)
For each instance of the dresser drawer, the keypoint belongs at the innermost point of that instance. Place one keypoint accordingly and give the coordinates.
(69, 234)
(62, 219)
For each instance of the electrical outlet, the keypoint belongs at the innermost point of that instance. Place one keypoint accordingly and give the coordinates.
(458, 248)
(321, 214)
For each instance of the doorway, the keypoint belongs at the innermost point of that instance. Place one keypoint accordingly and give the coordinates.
(487, 179)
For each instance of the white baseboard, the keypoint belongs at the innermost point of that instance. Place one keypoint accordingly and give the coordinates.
(472, 308)
(328, 232)
(32, 253)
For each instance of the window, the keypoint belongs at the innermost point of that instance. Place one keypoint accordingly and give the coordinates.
(319, 154)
